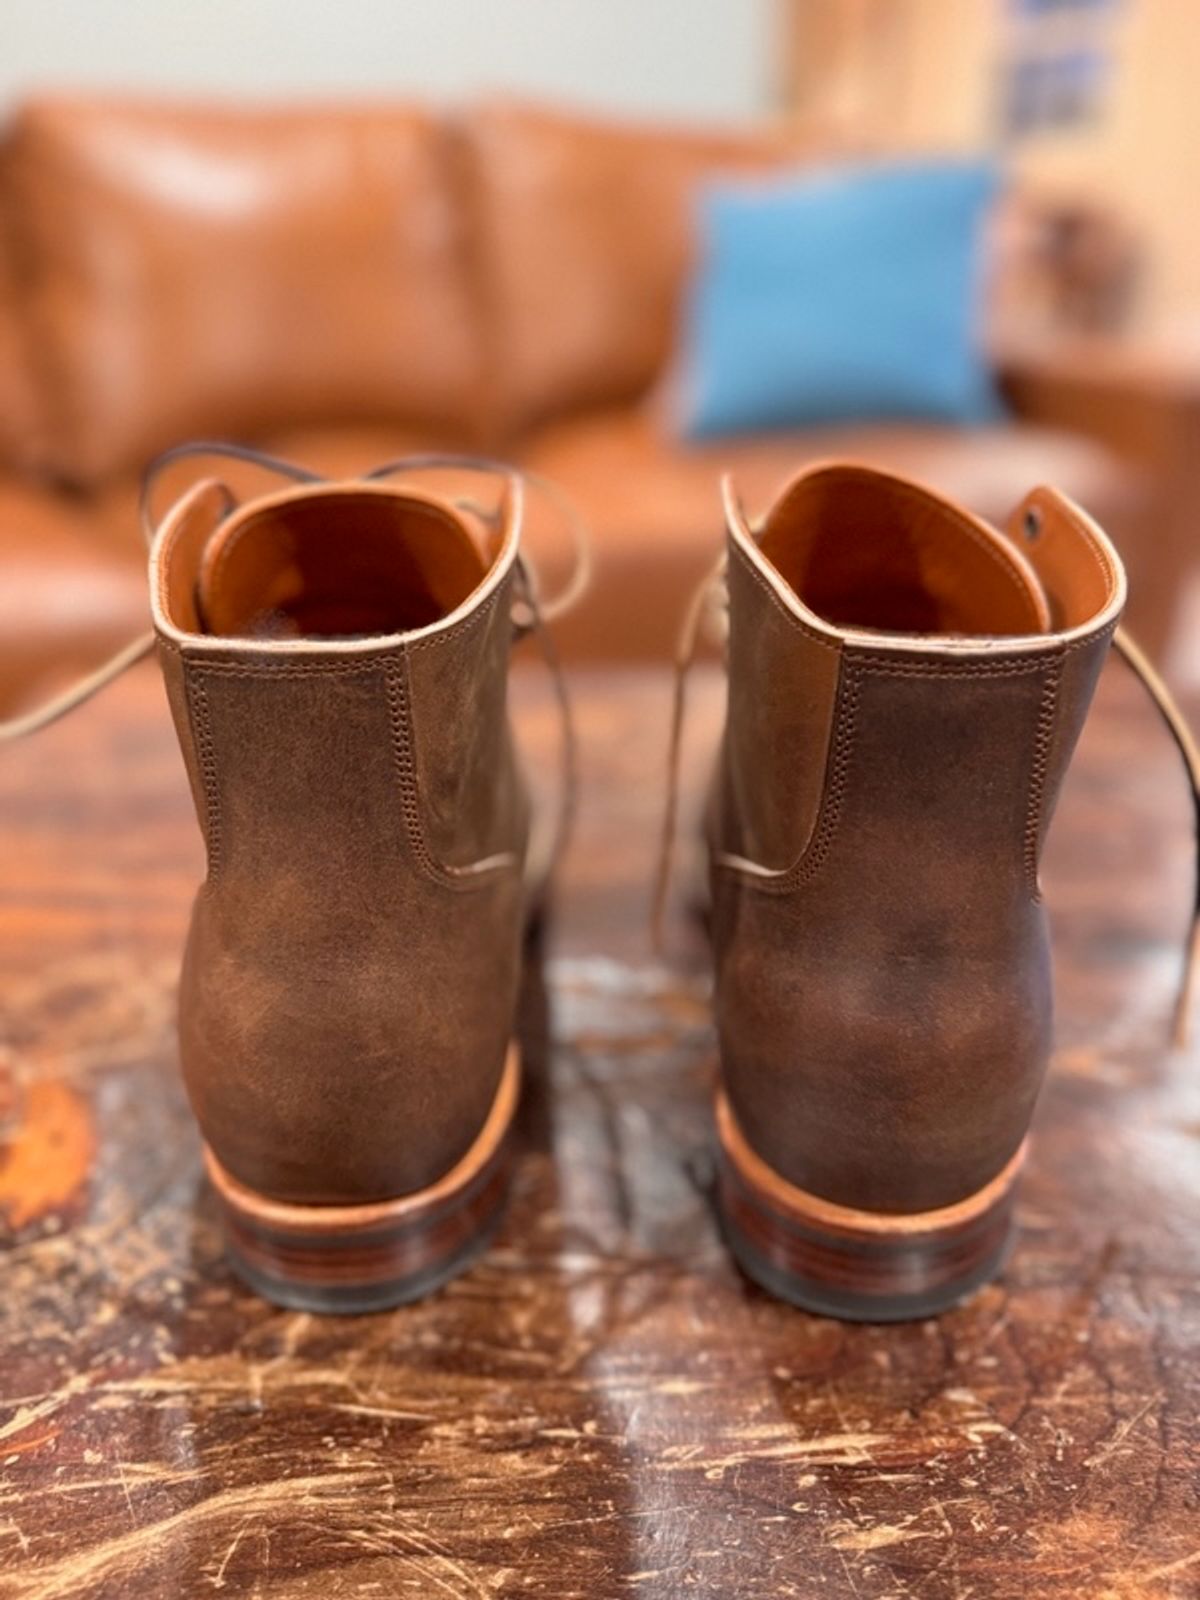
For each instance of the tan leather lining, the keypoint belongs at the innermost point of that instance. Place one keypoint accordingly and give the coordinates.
(383, 564)
(866, 549)
(218, 578)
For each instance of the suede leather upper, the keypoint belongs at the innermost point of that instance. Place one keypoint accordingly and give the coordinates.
(350, 975)
(883, 990)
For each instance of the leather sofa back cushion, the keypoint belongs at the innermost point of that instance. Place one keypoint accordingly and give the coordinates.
(195, 270)
(581, 242)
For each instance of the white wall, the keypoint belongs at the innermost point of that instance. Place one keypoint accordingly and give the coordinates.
(686, 58)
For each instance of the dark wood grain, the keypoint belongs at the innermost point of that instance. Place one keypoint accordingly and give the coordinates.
(603, 1407)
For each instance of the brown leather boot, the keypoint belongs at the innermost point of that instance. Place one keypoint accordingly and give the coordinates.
(906, 687)
(336, 657)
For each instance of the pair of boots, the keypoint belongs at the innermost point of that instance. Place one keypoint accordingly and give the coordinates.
(906, 687)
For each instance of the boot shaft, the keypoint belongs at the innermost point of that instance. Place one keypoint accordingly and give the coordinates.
(883, 984)
(975, 720)
(336, 660)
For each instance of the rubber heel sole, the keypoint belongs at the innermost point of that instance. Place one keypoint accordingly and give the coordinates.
(858, 1266)
(361, 1258)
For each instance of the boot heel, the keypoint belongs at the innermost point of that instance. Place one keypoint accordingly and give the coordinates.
(860, 1266)
(369, 1257)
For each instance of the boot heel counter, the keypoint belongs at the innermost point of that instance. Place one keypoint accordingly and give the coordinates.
(845, 1262)
(875, 1090)
(344, 1011)
(372, 1255)
(885, 1012)
(333, 1077)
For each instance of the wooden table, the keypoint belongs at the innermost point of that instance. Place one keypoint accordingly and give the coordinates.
(603, 1408)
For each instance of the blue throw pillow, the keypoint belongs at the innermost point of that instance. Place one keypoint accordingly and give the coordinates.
(843, 295)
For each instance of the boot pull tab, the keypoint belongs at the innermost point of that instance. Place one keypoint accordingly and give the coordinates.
(1076, 578)
(221, 450)
(215, 449)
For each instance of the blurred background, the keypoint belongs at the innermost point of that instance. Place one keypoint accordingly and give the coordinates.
(657, 56)
(344, 232)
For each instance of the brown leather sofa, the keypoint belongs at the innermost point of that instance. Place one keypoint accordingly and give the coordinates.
(342, 285)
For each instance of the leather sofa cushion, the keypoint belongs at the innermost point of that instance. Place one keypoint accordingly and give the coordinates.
(192, 269)
(580, 241)
(654, 510)
(73, 591)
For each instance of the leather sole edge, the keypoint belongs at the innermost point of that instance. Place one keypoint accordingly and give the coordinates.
(857, 1266)
(348, 1259)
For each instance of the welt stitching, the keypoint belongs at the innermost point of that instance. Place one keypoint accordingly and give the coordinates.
(1035, 807)
(198, 711)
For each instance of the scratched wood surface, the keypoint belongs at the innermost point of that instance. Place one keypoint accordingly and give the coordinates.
(603, 1407)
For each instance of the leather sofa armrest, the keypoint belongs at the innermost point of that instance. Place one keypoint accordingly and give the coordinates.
(1143, 404)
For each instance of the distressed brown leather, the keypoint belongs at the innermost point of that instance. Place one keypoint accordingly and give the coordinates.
(906, 687)
(193, 269)
(336, 660)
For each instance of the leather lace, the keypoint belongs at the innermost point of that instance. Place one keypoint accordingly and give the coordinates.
(709, 607)
(530, 615)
